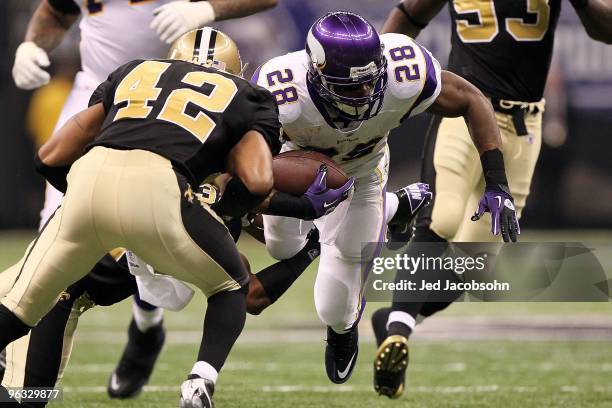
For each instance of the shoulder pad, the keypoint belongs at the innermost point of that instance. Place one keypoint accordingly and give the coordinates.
(285, 78)
(414, 74)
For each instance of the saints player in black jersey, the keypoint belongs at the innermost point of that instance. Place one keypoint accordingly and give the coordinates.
(154, 129)
(504, 48)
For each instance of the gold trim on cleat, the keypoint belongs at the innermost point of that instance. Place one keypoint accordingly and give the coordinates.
(391, 360)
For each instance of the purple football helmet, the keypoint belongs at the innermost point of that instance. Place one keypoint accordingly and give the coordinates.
(347, 68)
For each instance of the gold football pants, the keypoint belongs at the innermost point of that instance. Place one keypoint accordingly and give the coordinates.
(132, 199)
(459, 181)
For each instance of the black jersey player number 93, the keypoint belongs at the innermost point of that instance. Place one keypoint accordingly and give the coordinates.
(488, 26)
(138, 87)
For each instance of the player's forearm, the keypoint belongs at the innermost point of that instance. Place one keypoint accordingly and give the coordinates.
(239, 8)
(457, 98)
(250, 165)
(411, 16)
(67, 144)
(48, 26)
(596, 16)
(480, 118)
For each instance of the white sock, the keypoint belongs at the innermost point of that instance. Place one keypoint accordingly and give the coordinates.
(401, 317)
(145, 319)
(205, 370)
(391, 204)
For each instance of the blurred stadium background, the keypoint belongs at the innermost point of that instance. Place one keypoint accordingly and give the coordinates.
(473, 354)
(572, 182)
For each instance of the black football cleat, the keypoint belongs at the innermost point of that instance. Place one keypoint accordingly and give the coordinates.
(341, 354)
(197, 392)
(390, 366)
(412, 199)
(137, 362)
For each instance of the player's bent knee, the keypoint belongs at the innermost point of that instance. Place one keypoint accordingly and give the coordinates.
(333, 310)
(284, 249)
(332, 316)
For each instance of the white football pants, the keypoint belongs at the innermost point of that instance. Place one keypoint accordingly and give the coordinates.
(342, 269)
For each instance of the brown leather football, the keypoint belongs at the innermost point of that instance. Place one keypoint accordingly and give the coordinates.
(294, 171)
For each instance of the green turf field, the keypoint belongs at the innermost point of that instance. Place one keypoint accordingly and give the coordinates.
(509, 355)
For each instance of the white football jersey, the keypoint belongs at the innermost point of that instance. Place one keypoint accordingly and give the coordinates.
(413, 84)
(114, 32)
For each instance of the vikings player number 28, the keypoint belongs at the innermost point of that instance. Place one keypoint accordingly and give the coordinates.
(284, 95)
(405, 72)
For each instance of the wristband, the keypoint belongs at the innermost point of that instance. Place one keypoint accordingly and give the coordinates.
(56, 176)
(236, 200)
(414, 22)
(579, 4)
(287, 205)
(494, 170)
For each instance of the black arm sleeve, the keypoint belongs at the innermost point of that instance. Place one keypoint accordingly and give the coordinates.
(65, 6)
(287, 205)
(494, 170)
(236, 200)
(56, 176)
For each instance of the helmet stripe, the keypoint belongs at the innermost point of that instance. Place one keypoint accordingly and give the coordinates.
(211, 44)
(196, 45)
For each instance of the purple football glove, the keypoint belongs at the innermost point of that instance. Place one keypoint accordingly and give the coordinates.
(503, 214)
(324, 200)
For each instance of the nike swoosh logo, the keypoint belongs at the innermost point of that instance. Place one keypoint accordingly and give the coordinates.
(326, 204)
(344, 373)
(114, 384)
(498, 200)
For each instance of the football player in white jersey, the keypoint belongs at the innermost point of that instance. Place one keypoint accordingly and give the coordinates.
(114, 32)
(341, 96)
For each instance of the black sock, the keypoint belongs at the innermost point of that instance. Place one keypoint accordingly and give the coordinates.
(142, 304)
(379, 324)
(421, 234)
(11, 327)
(279, 277)
(399, 328)
(224, 321)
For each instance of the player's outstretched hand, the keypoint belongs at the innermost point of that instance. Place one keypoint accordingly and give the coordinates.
(28, 71)
(324, 200)
(178, 17)
(503, 214)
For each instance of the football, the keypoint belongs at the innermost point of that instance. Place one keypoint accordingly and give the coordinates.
(294, 171)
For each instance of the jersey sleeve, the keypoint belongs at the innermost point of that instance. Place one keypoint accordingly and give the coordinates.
(279, 77)
(432, 84)
(265, 117)
(102, 95)
(105, 92)
(414, 74)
